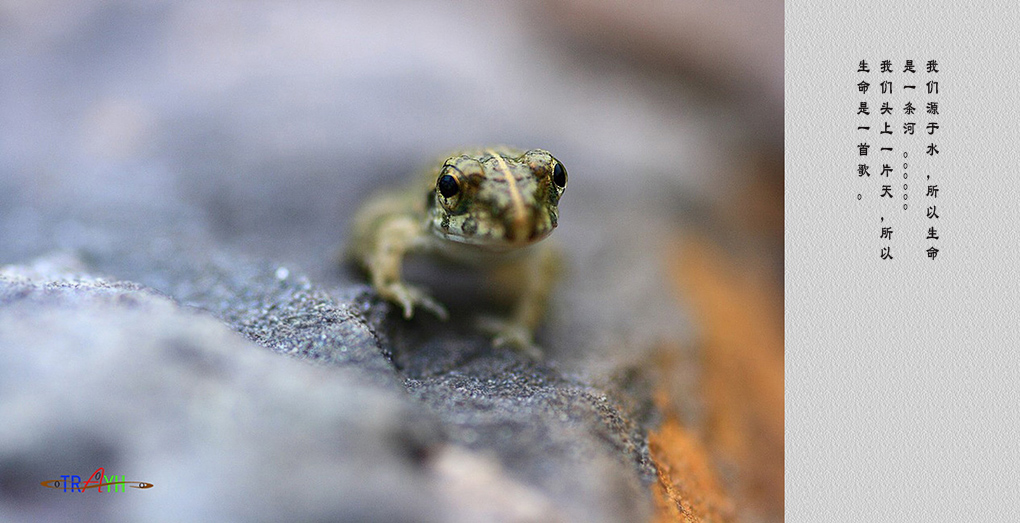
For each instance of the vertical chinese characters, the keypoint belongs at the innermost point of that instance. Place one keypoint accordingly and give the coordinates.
(897, 115)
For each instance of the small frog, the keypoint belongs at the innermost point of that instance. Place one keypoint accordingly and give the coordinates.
(487, 207)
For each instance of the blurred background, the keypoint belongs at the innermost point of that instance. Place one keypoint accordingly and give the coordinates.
(113, 99)
(262, 125)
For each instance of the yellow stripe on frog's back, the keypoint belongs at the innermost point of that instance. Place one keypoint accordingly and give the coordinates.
(515, 193)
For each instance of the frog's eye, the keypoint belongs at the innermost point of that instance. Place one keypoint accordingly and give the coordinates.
(559, 175)
(448, 186)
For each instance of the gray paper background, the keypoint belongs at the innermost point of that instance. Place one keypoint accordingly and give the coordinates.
(902, 376)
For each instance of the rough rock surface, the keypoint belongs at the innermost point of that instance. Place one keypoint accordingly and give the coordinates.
(242, 389)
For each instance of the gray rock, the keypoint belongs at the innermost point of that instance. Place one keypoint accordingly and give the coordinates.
(102, 372)
(98, 373)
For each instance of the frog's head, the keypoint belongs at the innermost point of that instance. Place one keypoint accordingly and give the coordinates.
(497, 199)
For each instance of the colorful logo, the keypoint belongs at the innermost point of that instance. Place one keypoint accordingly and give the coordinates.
(97, 480)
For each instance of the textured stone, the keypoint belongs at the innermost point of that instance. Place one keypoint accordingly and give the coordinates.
(170, 386)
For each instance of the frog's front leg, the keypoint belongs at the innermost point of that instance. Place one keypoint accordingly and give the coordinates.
(393, 239)
(534, 277)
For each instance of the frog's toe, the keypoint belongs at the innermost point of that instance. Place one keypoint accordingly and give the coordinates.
(398, 294)
(512, 335)
(423, 300)
(518, 341)
(408, 296)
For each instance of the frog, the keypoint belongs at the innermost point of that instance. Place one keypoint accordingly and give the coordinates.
(484, 207)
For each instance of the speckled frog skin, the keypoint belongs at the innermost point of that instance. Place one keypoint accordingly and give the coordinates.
(488, 207)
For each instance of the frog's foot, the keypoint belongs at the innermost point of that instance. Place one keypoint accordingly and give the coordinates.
(408, 296)
(512, 335)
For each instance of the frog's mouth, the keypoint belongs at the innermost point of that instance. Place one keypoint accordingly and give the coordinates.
(496, 243)
(495, 233)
